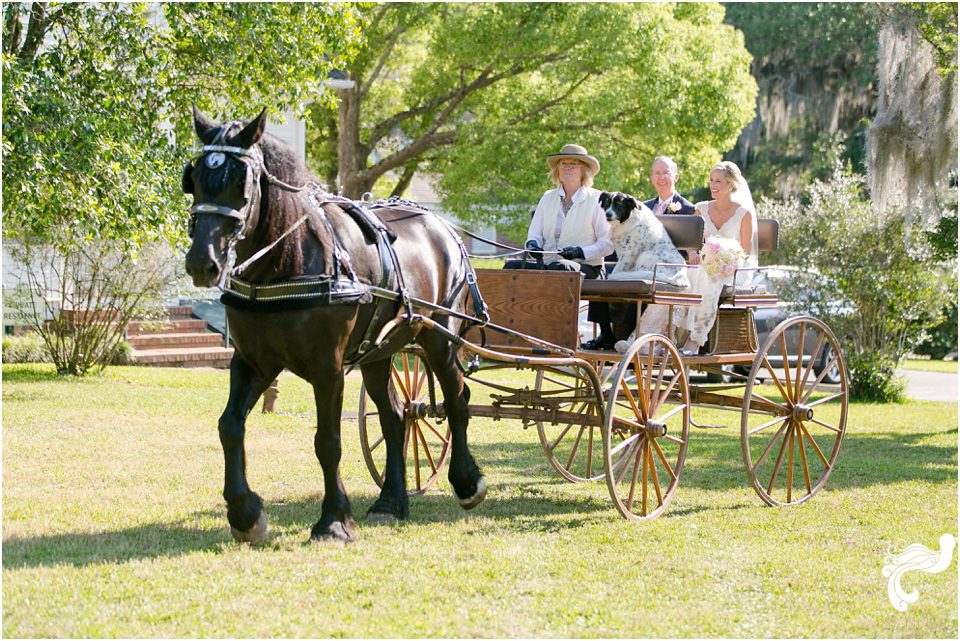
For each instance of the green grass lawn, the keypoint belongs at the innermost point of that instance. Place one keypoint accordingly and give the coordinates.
(927, 365)
(113, 525)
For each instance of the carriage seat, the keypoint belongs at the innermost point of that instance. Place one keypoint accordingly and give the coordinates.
(685, 231)
(768, 237)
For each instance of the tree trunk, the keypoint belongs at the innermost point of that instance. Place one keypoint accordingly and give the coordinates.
(352, 176)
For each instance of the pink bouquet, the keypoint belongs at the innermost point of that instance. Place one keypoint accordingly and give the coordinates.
(720, 257)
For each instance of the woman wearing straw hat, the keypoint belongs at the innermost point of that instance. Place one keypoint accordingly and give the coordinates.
(570, 228)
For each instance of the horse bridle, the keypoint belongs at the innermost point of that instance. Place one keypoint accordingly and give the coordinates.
(254, 163)
(253, 159)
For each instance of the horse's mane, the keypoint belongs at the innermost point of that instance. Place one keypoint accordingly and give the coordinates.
(282, 208)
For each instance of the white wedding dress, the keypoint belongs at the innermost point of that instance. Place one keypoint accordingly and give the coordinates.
(699, 319)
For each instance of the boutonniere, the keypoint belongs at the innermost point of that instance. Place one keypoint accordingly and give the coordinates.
(673, 207)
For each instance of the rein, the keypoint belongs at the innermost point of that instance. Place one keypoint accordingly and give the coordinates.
(323, 289)
(514, 251)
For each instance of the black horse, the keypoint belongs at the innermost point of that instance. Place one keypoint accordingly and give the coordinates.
(313, 289)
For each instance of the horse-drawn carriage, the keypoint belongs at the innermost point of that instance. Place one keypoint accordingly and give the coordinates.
(626, 418)
(321, 282)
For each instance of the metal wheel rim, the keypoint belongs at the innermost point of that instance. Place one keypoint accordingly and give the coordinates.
(646, 453)
(795, 434)
(425, 430)
(580, 448)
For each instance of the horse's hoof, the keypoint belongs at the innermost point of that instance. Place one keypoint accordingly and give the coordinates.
(387, 510)
(336, 532)
(255, 535)
(382, 518)
(473, 501)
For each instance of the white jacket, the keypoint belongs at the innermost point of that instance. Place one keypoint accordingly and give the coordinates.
(585, 225)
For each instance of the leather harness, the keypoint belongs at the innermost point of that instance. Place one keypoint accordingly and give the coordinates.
(342, 287)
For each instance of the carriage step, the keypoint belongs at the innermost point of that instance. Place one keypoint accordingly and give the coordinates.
(175, 339)
(185, 357)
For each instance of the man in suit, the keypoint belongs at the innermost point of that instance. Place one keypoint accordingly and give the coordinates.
(664, 177)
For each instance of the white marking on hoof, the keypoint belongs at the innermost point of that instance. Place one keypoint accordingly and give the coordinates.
(473, 501)
(254, 535)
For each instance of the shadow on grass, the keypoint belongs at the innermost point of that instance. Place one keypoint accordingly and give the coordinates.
(538, 502)
(715, 460)
(81, 549)
(538, 512)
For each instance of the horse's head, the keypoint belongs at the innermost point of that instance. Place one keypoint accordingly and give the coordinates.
(224, 179)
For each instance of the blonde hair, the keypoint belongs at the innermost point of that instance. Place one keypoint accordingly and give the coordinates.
(586, 174)
(730, 172)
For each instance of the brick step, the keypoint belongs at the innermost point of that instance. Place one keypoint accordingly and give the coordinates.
(184, 311)
(175, 339)
(185, 357)
(136, 328)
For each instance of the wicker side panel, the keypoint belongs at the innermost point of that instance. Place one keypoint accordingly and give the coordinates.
(734, 331)
(538, 303)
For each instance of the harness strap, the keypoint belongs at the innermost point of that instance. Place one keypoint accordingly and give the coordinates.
(480, 309)
(369, 223)
(341, 257)
(239, 268)
(324, 289)
(389, 265)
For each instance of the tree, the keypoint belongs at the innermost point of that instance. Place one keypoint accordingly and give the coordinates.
(479, 94)
(878, 293)
(937, 24)
(816, 66)
(96, 123)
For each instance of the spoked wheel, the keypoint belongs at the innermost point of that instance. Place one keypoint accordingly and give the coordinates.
(426, 443)
(791, 430)
(646, 428)
(573, 443)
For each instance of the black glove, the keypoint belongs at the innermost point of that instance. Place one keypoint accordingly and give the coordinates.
(571, 252)
(534, 245)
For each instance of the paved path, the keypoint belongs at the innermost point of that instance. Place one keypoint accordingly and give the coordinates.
(931, 386)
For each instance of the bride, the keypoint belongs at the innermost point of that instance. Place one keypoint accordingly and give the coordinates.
(731, 214)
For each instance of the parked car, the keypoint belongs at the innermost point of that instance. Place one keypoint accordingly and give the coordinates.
(793, 284)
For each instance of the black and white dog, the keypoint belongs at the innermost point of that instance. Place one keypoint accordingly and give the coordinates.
(641, 241)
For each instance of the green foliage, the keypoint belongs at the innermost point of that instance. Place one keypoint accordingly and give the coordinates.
(479, 94)
(31, 348)
(882, 293)
(26, 348)
(96, 121)
(800, 50)
(79, 301)
(122, 355)
(874, 379)
(97, 126)
(785, 164)
(835, 37)
(937, 23)
(943, 238)
(941, 339)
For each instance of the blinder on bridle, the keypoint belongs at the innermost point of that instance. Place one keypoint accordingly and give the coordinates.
(214, 156)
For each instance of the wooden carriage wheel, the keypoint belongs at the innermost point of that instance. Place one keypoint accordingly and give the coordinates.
(574, 447)
(646, 428)
(426, 442)
(791, 431)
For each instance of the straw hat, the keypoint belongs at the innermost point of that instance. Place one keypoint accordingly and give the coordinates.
(575, 152)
